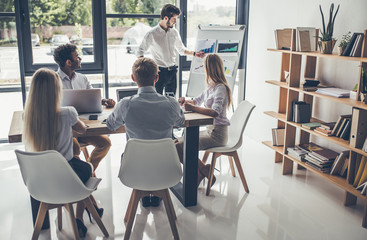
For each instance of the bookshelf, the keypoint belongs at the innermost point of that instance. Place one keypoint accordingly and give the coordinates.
(290, 91)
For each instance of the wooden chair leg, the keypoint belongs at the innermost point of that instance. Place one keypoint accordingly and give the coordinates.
(59, 218)
(170, 213)
(240, 171)
(211, 173)
(205, 157)
(39, 221)
(135, 201)
(70, 209)
(93, 211)
(231, 165)
(128, 211)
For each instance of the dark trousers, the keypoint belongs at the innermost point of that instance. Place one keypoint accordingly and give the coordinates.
(167, 80)
(82, 169)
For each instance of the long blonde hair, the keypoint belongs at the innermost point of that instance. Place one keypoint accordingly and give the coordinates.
(214, 69)
(41, 114)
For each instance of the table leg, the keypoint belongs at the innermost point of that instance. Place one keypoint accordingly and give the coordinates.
(186, 192)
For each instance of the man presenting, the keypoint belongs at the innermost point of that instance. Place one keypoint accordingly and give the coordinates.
(66, 56)
(163, 40)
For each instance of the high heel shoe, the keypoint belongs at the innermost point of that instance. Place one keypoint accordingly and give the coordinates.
(82, 229)
(99, 211)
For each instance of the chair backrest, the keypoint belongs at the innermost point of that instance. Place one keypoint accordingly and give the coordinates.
(49, 178)
(239, 121)
(150, 164)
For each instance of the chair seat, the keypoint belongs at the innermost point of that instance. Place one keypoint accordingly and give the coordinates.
(222, 149)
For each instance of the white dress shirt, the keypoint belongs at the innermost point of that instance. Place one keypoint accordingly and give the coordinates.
(163, 45)
(77, 81)
(147, 115)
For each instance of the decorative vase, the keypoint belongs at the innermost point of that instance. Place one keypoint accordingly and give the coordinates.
(327, 47)
(341, 50)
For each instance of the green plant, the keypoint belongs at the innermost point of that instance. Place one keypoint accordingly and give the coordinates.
(345, 40)
(327, 33)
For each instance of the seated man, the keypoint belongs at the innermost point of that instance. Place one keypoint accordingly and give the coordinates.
(147, 115)
(66, 56)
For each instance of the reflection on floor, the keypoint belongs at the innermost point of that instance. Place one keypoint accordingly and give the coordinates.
(301, 206)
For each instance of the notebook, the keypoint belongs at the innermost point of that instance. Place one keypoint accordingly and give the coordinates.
(126, 92)
(84, 100)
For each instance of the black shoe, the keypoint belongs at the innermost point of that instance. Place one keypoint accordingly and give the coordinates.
(155, 201)
(99, 211)
(145, 201)
(82, 229)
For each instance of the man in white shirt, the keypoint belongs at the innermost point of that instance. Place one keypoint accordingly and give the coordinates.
(66, 56)
(163, 41)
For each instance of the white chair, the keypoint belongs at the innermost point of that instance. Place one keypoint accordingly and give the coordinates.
(150, 167)
(51, 180)
(238, 121)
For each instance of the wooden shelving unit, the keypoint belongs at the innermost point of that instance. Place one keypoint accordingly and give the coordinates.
(290, 91)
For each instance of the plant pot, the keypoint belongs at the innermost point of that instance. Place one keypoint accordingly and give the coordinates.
(341, 50)
(327, 47)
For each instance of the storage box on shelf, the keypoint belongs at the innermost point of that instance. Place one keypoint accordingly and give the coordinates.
(290, 90)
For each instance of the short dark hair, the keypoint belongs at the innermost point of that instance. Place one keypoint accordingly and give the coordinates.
(145, 70)
(63, 53)
(170, 10)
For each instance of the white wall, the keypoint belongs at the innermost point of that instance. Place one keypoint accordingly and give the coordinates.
(268, 15)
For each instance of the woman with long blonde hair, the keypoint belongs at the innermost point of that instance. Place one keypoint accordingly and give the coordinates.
(48, 126)
(216, 98)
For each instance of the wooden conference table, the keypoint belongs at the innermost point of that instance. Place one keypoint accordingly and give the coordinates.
(186, 191)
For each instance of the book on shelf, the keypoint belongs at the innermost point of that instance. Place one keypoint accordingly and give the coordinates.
(361, 169)
(311, 125)
(323, 131)
(301, 112)
(278, 136)
(296, 152)
(339, 124)
(323, 170)
(343, 170)
(309, 147)
(362, 188)
(325, 154)
(346, 130)
(350, 45)
(358, 131)
(334, 92)
(306, 39)
(339, 162)
(328, 126)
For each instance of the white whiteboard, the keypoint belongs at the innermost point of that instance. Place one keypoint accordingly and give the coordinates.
(226, 41)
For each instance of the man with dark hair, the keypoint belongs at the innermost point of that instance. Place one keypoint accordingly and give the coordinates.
(66, 56)
(146, 115)
(163, 41)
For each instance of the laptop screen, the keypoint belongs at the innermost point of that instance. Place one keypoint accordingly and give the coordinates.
(84, 100)
(126, 92)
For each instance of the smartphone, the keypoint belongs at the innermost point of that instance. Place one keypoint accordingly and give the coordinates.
(93, 117)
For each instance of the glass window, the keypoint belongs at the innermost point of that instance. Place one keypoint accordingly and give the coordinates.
(208, 12)
(10, 89)
(137, 7)
(61, 22)
(7, 6)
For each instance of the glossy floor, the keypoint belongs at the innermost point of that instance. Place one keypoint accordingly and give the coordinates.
(301, 206)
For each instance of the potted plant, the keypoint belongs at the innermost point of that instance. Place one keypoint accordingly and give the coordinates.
(327, 41)
(344, 42)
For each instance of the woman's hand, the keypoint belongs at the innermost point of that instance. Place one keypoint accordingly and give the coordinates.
(181, 100)
(189, 106)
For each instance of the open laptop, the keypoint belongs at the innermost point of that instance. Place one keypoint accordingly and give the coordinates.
(126, 92)
(84, 101)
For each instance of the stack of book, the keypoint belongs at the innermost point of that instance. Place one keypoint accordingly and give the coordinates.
(278, 136)
(311, 125)
(354, 47)
(325, 128)
(297, 152)
(335, 92)
(322, 160)
(340, 164)
(342, 127)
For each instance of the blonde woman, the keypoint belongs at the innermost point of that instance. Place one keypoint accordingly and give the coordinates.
(216, 98)
(47, 126)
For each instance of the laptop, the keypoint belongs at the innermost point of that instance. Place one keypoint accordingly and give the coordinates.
(84, 100)
(126, 92)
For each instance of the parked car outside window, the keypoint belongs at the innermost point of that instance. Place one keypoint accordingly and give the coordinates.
(58, 40)
(134, 36)
(87, 46)
(35, 40)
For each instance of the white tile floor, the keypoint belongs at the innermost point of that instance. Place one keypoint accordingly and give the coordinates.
(301, 206)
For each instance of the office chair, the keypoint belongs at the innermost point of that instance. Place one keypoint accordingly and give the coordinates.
(51, 180)
(150, 167)
(238, 122)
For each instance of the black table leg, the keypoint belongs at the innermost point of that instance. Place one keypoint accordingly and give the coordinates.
(186, 192)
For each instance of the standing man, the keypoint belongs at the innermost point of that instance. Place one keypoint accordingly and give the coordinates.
(66, 56)
(163, 40)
